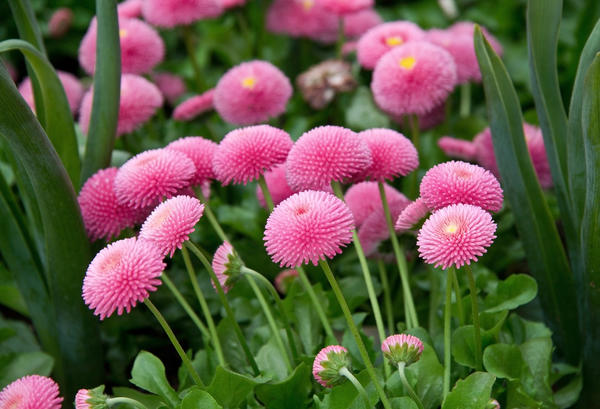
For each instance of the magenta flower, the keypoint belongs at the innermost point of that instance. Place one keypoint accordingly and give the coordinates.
(31, 392)
(458, 148)
(307, 227)
(71, 85)
(402, 348)
(171, 13)
(227, 4)
(60, 22)
(393, 154)
(170, 85)
(345, 7)
(356, 24)
(194, 106)
(328, 363)
(375, 230)
(456, 235)
(201, 151)
(284, 280)
(252, 92)
(277, 185)
(91, 398)
(120, 275)
(411, 215)
(363, 199)
(302, 18)
(130, 8)
(226, 265)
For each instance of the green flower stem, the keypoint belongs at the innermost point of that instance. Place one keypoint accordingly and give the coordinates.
(315, 301)
(413, 121)
(459, 303)
(128, 401)
(475, 310)
(433, 302)
(266, 193)
(387, 297)
(359, 342)
(203, 305)
(465, 100)
(236, 327)
(341, 38)
(409, 389)
(184, 358)
(409, 305)
(189, 39)
(447, 334)
(286, 322)
(212, 219)
(361, 390)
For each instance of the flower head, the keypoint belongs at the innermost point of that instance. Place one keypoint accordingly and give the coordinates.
(227, 4)
(151, 175)
(456, 235)
(171, 222)
(31, 392)
(171, 13)
(226, 264)
(141, 47)
(460, 182)
(170, 85)
(326, 154)
(402, 348)
(307, 227)
(358, 23)
(468, 28)
(345, 7)
(411, 215)
(60, 22)
(375, 229)
(120, 275)
(458, 148)
(246, 153)
(277, 185)
(302, 18)
(130, 8)
(328, 363)
(71, 85)
(284, 280)
(382, 38)
(91, 398)
(413, 79)
(252, 92)
(194, 106)
(201, 151)
(363, 199)
(393, 154)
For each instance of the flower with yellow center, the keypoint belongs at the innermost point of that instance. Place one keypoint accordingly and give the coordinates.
(451, 228)
(407, 62)
(394, 41)
(249, 82)
(122, 33)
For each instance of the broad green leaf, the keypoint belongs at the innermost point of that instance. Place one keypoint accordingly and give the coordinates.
(473, 392)
(291, 393)
(199, 399)
(270, 362)
(516, 290)
(463, 345)
(148, 373)
(403, 402)
(149, 401)
(503, 361)
(27, 363)
(537, 354)
(230, 389)
(545, 255)
(517, 398)
(107, 89)
(568, 395)
(363, 114)
(345, 396)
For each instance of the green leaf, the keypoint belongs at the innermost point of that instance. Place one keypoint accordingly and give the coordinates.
(537, 354)
(463, 345)
(230, 389)
(472, 392)
(545, 255)
(516, 290)
(363, 114)
(290, 393)
(199, 399)
(345, 396)
(148, 373)
(503, 361)
(27, 363)
(517, 398)
(107, 89)
(403, 402)
(270, 361)
(569, 394)
(149, 401)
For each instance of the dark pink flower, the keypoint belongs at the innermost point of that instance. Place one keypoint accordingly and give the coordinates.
(171, 13)
(194, 106)
(60, 22)
(345, 7)
(411, 215)
(171, 85)
(302, 18)
(277, 185)
(356, 24)
(363, 199)
(393, 154)
(375, 230)
(130, 8)
(201, 151)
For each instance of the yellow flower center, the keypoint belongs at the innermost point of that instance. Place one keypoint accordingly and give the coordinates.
(249, 82)
(394, 41)
(452, 228)
(408, 63)
(122, 33)
(308, 4)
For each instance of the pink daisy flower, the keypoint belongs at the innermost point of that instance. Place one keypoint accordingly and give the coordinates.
(120, 275)
(141, 47)
(325, 154)
(456, 235)
(60, 22)
(201, 151)
(91, 398)
(152, 175)
(130, 8)
(277, 185)
(246, 153)
(460, 182)
(433, 118)
(252, 92)
(227, 4)
(402, 348)
(345, 7)
(171, 13)
(284, 280)
(458, 148)
(328, 363)
(302, 18)
(411, 215)
(393, 154)
(194, 106)
(307, 227)
(413, 79)
(363, 199)
(71, 85)
(382, 38)
(170, 85)
(226, 265)
(374, 229)
(468, 28)
(171, 223)
(31, 392)
(140, 99)
(103, 216)
(356, 24)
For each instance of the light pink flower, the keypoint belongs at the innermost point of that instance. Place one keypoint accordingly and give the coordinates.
(120, 275)
(252, 92)
(152, 175)
(170, 85)
(201, 151)
(284, 279)
(382, 38)
(458, 148)
(328, 363)
(227, 4)
(413, 79)
(325, 154)
(246, 153)
(468, 28)
(460, 182)
(307, 227)
(130, 8)
(171, 13)
(302, 18)
(411, 215)
(402, 348)
(91, 398)
(81, 399)
(194, 106)
(31, 392)
(375, 230)
(223, 264)
(277, 185)
(363, 199)
(71, 85)
(456, 235)
(356, 24)
(393, 154)
(60, 22)
(345, 7)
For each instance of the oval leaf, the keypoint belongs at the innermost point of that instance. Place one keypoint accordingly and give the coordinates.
(516, 290)
(472, 392)
(148, 373)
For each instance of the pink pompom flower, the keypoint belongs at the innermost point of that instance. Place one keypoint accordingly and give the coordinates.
(456, 235)
(356, 24)
(403, 348)
(152, 175)
(227, 4)
(277, 185)
(307, 227)
(326, 154)
(328, 363)
(458, 148)
(91, 398)
(141, 47)
(103, 216)
(140, 99)
(60, 22)
(284, 280)
(194, 106)
(413, 79)
(171, 13)
(382, 38)
(411, 215)
(171, 223)
(120, 275)
(130, 8)
(170, 85)
(201, 151)
(252, 92)
(246, 153)
(393, 154)
(363, 199)
(375, 229)
(31, 392)
(468, 28)
(302, 18)
(71, 85)
(345, 7)
(460, 182)
(227, 266)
